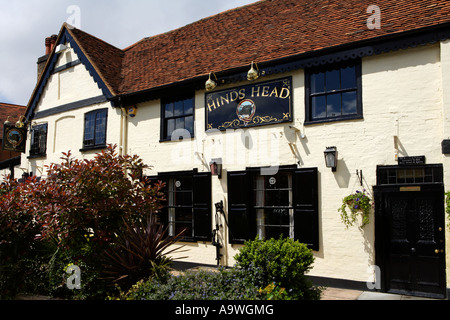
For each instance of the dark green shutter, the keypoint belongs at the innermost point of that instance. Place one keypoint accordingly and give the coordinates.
(306, 211)
(239, 217)
(202, 206)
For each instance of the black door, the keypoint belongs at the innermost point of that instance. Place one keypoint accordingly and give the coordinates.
(410, 240)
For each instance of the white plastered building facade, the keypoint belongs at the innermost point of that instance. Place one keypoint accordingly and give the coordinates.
(404, 113)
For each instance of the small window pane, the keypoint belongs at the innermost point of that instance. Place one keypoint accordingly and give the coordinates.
(189, 124)
(332, 80)
(319, 107)
(183, 214)
(179, 123)
(169, 110)
(170, 127)
(277, 198)
(349, 103)
(188, 106)
(276, 232)
(334, 105)
(89, 128)
(317, 83)
(178, 108)
(348, 78)
(100, 128)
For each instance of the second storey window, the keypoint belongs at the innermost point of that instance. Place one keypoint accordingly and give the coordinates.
(333, 93)
(95, 129)
(38, 140)
(177, 114)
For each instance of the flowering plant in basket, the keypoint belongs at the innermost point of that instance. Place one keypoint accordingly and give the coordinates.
(357, 203)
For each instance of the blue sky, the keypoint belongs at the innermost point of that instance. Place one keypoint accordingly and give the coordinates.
(24, 25)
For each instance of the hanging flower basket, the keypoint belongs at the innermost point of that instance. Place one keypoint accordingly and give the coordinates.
(358, 203)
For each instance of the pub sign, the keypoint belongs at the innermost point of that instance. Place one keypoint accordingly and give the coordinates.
(14, 138)
(251, 105)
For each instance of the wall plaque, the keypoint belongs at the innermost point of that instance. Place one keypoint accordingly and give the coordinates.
(408, 161)
(251, 105)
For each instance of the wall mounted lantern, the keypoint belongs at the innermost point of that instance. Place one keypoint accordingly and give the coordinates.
(19, 123)
(331, 155)
(253, 73)
(216, 167)
(210, 83)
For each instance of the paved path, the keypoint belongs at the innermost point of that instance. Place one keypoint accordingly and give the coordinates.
(346, 294)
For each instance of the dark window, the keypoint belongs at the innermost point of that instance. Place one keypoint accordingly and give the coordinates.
(177, 114)
(333, 93)
(285, 204)
(95, 129)
(38, 140)
(188, 204)
(179, 197)
(272, 197)
(419, 174)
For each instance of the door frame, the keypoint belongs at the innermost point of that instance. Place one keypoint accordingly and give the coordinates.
(380, 191)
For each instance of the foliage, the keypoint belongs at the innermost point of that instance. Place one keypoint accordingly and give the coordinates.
(139, 252)
(223, 284)
(283, 262)
(357, 203)
(74, 213)
(266, 270)
(274, 292)
(85, 201)
(447, 205)
(19, 252)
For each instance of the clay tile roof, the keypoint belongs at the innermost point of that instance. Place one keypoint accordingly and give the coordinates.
(263, 31)
(105, 58)
(267, 30)
(12, 110)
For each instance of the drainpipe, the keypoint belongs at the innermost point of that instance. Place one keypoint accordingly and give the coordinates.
(123, 131)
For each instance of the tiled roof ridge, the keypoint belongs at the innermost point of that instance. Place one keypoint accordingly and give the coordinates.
(92, 36)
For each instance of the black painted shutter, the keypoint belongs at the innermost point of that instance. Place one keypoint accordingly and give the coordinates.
(202, 206)
(306, 211)
(163, 212)
(239, 217)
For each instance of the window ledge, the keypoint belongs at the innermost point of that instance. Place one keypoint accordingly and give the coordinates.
(91, 148)
(35, 156)
(179, 140)
(346, 118)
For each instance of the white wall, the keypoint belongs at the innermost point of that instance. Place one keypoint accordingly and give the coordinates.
(65, 130)
(401, 97)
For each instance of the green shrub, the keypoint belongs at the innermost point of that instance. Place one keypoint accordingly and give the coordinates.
(223, 284)
(283, 262)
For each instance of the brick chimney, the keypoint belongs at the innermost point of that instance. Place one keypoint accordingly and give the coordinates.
(49, 45)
